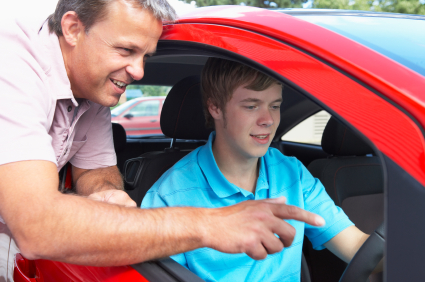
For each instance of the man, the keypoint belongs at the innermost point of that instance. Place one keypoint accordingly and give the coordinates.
(57, 81)
(236, 164)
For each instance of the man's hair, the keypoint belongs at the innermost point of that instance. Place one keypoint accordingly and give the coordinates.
(91, 11)
(220, 78)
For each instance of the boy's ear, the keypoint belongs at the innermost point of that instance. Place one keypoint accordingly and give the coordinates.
(71, 27)
(215, 111)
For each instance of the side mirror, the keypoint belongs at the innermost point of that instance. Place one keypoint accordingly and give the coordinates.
(129, 116)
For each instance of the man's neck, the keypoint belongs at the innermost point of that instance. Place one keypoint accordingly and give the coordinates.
(66, 55)
(238, 170)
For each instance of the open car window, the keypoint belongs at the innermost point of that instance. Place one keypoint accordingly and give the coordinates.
(310, 130)
(147, 108)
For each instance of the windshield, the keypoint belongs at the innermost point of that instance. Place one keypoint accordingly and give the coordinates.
(121, 108)
(401, 39)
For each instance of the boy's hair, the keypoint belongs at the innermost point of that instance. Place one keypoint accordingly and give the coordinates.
(91, 11)
(221, 77)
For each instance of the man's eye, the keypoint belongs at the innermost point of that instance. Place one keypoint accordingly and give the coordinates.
(250, 107)
(126, 50)
(276, 107)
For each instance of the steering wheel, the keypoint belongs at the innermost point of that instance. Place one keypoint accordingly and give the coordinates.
(366, 258)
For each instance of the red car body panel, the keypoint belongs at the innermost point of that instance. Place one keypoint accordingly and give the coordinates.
(392, 131)
(392, 79)
(284, 49)
(44, 271)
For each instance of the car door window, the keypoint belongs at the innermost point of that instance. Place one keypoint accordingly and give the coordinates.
(146, 108)
(310, 130)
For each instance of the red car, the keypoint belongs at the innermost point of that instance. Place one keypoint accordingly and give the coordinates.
(366, 69)
(139, 116)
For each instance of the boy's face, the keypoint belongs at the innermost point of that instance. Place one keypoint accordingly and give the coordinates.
(250, 121)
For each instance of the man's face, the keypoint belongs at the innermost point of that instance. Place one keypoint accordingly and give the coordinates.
(113, 52)
(251, 120)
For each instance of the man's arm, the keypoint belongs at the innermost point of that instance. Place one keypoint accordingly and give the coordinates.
(346, 244)
(102, 184)
(49, 225)
(89, 181)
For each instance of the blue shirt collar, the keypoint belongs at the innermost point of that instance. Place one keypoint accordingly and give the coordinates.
(218, 183)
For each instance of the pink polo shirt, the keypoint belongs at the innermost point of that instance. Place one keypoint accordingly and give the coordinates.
(39, 117)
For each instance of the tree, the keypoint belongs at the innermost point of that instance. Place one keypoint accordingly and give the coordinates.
(394, 6)
(151, 90)
(255, 3)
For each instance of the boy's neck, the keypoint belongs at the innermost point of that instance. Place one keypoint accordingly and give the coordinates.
(238, 170)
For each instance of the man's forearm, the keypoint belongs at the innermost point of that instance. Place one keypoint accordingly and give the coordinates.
(50, 225)
(111, 235)
(96, 180)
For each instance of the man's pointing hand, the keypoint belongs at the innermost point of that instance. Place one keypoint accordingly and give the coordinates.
(250, 227)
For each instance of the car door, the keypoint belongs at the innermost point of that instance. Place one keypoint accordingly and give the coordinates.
(143, 118)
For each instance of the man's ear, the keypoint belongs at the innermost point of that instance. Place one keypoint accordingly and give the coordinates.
(215, 111)
(71, 27)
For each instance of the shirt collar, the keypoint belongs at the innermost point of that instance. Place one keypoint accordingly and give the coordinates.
(58, 78)
(218, 183)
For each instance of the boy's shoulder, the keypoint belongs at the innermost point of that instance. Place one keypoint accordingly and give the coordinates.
(274, 157)
(181, 172)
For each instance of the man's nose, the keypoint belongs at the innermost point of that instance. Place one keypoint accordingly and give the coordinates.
(136, 69)
(266, 118)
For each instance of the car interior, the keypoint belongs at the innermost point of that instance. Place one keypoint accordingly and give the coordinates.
(345, 162)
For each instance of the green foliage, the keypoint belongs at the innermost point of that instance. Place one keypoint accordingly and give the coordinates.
(393, 6)
(403, 6)
(255, 3)
(151, 90)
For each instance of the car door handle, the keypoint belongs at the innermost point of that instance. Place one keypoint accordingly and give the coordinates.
(154, 120)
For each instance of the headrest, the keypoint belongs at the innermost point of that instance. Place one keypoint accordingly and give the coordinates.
(339, 140)
(182, 116)
(120, 137)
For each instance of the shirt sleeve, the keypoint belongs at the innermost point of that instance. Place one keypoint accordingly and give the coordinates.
(317, 201)
(153, 200)
(181, 259)
(25, 103)
(98, 150)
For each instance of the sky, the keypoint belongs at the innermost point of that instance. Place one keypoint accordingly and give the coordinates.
(47, 7)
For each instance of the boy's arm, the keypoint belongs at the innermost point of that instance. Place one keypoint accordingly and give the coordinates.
(346, 244)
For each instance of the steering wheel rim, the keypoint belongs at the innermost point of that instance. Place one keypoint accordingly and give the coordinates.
(366, 258)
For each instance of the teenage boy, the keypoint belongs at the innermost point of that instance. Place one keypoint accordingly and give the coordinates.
(243, 106)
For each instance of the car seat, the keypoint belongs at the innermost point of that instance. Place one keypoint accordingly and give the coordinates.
(181, 118)
(120, 142)
(353, 178)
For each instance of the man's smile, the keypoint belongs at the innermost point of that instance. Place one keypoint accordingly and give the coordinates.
(118, 83)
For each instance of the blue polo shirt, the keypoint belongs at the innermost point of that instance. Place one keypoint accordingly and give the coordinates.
(197, 181)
